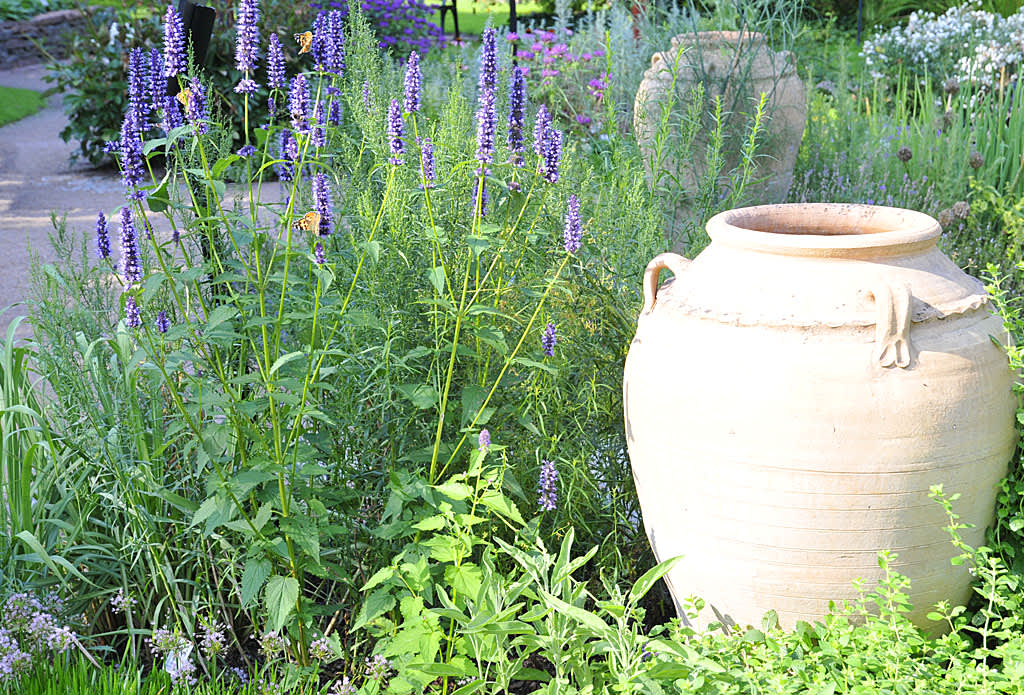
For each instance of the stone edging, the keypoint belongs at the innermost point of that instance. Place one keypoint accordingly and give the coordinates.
(49, 29)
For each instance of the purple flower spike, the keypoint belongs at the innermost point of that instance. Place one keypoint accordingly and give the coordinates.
(138, 82)
(172, 115)
(322, 203)
(275, 64)
(246, 151)
(247, 36)
(516, 114)
(175, 62)
(429, 175)
(298, 103)
(540, 129)
(162, 324)
(549, 339)
(334, 114)
(195, 111)
(132, 169)
(484, 440)
(367, 100)
(321, 40)
(132, 315)
(547, 488)
(489, 60)
(129, 248)
(102, 237)
(336, 42)
(319, 254)
(552, 155)
(320, 129)
(413, 83)
(486, 128)
(395, 131)
(157, 81)
(573, 233)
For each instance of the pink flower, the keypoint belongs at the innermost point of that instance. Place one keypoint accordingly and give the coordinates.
(512, 36)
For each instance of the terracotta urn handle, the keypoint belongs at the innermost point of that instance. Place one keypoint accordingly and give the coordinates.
(892, 327)
(671, 261)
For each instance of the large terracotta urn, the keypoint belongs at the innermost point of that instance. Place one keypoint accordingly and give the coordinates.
(791, 396)
(735, 67)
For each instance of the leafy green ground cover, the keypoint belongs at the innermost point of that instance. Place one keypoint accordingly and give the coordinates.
(386, 455)
(17, 103)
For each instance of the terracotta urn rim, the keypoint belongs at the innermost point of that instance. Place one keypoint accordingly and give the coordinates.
(825, 229)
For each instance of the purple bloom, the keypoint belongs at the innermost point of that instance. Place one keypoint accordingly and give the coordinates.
(132, 315)
(573, 233)
(157, 81)
(484, 440)
(516, 114)
(246, 86)
(547, 488)
(552, 154)
(320, 129)
(275, 64)
(413, 83)
(247, 37)
(129, 248)
(367, 100)
(102, 236)
(132, 170)
(195, 110)
(336, 42)
(298, 103)
(488, 61)
(174, 44)
(395, 129)
(320, 41)
(582, 119)
(427, 161)
(246, 151)
(322, 203)
(138, 81)
(549, 339)
(289, 150)
(172, 117)
(162, 324)
(319, 254)
(540, 129)
(486, 128)
(334, 114)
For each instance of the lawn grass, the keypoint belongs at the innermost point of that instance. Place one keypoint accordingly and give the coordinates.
(473, 15)
(16, 103)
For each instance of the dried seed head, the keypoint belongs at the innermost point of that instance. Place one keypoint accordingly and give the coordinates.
(961, 209)
(976, 160)
(945, 218)
(951, 86)
(904, 154)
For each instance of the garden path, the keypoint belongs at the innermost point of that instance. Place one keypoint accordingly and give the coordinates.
(37, 179)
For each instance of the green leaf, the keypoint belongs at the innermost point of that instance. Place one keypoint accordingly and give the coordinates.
(281, 595)
(376, 604)
(477, 245)
(158, 200)
(437, 277)
(584, 617)
(651, 577)
(498, 503)
(256, 572)
(380, 576)
(223, 163)
(422, 396)
(285, 359)
(372, 249)
(454, 490)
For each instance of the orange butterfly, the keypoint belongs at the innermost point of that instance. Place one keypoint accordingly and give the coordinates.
(310, 222)
(183, 96)
(305, 40)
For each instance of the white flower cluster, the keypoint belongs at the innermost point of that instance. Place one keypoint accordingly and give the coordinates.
(964, 42)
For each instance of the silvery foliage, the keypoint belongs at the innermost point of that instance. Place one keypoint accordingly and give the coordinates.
(965, 43)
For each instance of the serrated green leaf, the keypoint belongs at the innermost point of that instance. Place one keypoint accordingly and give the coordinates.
(253, 576)
(281, 595)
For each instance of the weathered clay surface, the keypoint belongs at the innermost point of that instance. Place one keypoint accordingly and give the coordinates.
(792, 395)
(738, 68)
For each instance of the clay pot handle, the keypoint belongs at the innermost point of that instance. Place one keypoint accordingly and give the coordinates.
(892, 327)
(672, 261)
